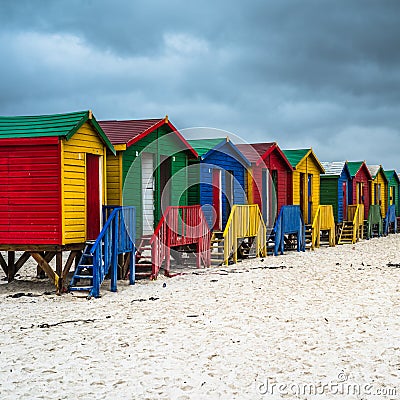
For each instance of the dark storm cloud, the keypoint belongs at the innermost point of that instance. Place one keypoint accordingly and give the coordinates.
(305, 73)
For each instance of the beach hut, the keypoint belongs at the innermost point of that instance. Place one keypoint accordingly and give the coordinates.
(306, 181)
(393, 189)
(379, 188)
(149, 154)
(149, 172)
(360, 185)
(52, 188)
(335, 184)
(269, 179)
(218, 179)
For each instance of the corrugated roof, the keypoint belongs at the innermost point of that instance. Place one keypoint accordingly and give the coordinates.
(54, 125)
(41, 125)
(334, 167)
(374, 169)
(121, 132)
(203, 146)
(254, 151)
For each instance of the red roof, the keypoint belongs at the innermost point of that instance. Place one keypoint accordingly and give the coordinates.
(257, 152)
(130, 131)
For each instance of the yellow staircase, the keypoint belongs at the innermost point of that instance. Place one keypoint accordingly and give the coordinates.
(353, 228)
(217, 248)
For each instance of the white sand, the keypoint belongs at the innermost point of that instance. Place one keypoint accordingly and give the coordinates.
(325, 317)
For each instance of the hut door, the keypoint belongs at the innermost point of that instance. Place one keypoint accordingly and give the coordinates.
(391, 196)
(228, 193)
(147, 193)
(377, 193)
(344, 188)
(265, 197)
(309, 185)
(302, 196)
(217, 198)
(359, 193)
(93, 192)
(165, 190)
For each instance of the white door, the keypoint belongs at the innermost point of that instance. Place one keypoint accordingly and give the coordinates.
(148, 193)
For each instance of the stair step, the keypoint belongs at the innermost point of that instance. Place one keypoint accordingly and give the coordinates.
(80, 288)
(83, 276)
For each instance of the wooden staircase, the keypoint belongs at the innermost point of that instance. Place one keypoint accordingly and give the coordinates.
(217, 248)
(143, 258)
(308, 236)
(82, 279)
(346, 233)
(100, 258)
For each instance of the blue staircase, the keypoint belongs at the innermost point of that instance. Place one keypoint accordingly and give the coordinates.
(100, 258)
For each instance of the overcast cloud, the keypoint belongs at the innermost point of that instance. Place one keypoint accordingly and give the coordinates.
(314, 73)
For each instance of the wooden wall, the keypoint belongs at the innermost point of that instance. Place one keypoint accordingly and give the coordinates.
(30, 191)
(307, 166)
(74, 151)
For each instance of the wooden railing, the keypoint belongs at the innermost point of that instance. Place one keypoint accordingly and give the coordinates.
(323, 221)
(355, 214)
(180, 226)
(245, 221)
(116, 237)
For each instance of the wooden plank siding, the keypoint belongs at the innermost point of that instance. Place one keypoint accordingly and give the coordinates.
(30, 192)
(225, 160)
(329, 195)
(114, 178)
(307, 166)
(362, 176)
(161, 143)
(381, 180)
(85, 141)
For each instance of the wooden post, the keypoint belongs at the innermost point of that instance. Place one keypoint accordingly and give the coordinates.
(3, 264)
(11, 266)
(59, 270)
(43, 264)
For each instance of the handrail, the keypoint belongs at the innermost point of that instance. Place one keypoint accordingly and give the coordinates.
(244, 221)
(323, 220)
(116, 237)
(179, 226)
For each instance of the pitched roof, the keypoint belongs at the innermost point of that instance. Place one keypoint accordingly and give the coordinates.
(257, 152)
(334, 167)
(354, 167)
(54, 125)
(296, 156)
(391, 175)
(374, 169)
(205, 147)
(254, 151)
(130, 131)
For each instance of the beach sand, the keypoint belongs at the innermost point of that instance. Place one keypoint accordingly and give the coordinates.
(282, 327)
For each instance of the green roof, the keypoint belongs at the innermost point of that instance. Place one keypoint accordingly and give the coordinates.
(391, 176)
(203, 146)
(354, 166)
(60, 125)
(295, 156)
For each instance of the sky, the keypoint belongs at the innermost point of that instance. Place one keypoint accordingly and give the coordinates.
(304, 73)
